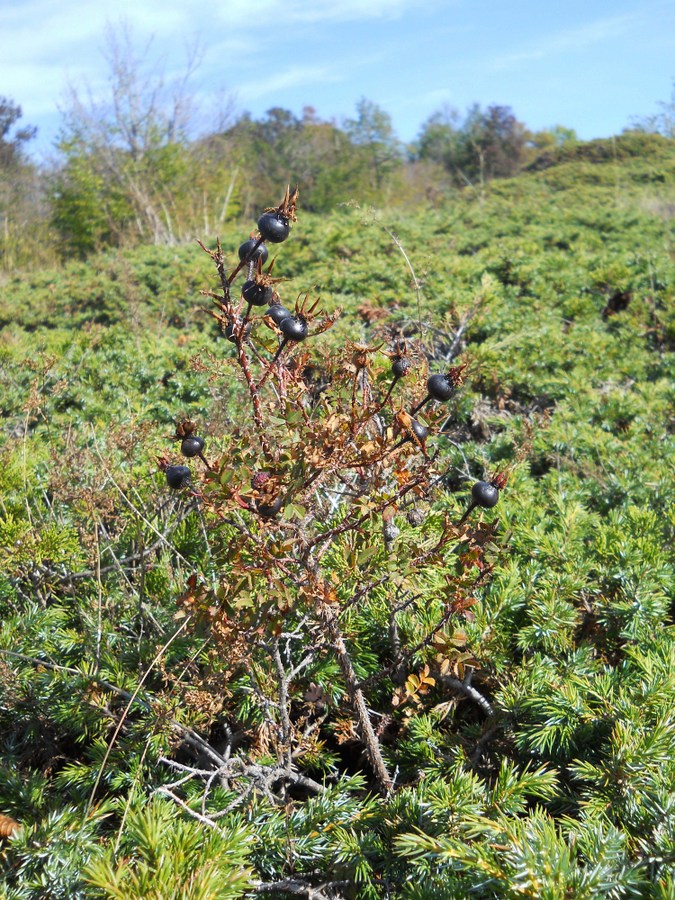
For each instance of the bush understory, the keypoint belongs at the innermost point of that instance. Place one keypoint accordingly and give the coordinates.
(177, 713)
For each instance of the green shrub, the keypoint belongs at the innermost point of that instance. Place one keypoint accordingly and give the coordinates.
(179, 677)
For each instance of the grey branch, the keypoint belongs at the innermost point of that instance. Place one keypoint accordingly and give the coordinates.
(463, 687)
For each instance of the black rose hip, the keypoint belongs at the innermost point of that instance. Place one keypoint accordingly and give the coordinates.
(192, 446)
(274, 227)
(484, 494)
(177, 476)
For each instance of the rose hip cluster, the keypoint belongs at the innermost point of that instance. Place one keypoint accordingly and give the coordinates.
(273, 227)
(440, 388)
(191, 445)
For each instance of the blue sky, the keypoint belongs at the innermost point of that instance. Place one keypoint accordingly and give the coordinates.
(587, 64)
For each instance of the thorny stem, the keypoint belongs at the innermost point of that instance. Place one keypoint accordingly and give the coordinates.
(420, 405)
(352, 426)
(468, 512)
(218, 258)
(255, 400)
(357, 699)
(226, 281)
(360, 378)
(243, 262)
(286, 727)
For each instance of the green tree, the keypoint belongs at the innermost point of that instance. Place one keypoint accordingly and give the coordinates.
(494, 142)
(266, 148)
(12, 147)
(372, 131)
(487, 144)
(22, 206)
(130, 162)
(662, 122)
(322, 159)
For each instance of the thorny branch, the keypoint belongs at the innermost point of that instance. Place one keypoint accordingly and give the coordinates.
(357, 699)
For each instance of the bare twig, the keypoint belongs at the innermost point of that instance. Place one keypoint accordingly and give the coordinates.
(301, 888)
(463, 687)
(205, 820)
(357, 699)
(283, 679)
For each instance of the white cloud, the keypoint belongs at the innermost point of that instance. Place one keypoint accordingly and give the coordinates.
(347, 10)
(43, 44)
(271, 12)
(290, 77)
(36, 29)
(572, 39)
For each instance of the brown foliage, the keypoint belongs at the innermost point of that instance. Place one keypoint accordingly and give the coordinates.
(8, 826)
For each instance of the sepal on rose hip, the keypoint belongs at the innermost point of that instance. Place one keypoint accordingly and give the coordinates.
(274, 224)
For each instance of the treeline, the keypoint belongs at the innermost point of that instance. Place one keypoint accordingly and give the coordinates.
(135, 169)
(137, 176)
(24, 196)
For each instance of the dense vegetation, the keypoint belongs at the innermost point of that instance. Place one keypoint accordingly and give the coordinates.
(177, 713)
(139, 166)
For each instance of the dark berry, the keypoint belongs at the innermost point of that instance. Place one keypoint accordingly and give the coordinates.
(256, 294)
(177, 476)
(484, 494)
(420, 431)
(439, 387)
(267, 510)
(273, 227)
(293, 328)
(401, 366)
(277, 313)
(192, 446)
(245, 249)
